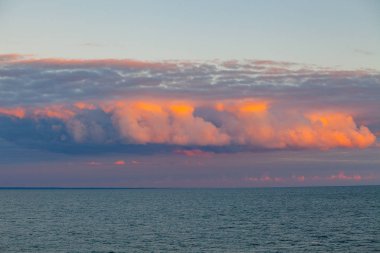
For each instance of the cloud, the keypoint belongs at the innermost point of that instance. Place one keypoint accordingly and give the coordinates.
(202, 123)
(193, 152)
(162, 122)
(266, 179)
(13, 112)
(340, 176)
(299, 178)
(119, 162)
(93, 163)
(363, 52)
(27, 81)
(91, 44)
(252, 104)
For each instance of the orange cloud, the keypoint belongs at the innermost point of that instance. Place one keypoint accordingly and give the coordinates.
(17, 112)
(334, 130)
(147, 106)
(258, 123)
(84, 106)
(164, 122)
(253, 107)
(252, 123)
(53, 111)
(182, 109)
(242, 106)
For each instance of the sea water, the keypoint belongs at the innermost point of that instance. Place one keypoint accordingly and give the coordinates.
(314, 219)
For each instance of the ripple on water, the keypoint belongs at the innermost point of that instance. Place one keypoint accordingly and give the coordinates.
(339, 219)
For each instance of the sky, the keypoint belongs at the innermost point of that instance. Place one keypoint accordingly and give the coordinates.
(189, 93)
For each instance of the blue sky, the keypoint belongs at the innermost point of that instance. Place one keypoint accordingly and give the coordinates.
(328, 33)
(189, 93)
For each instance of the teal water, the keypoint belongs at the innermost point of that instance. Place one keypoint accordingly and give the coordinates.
(318, 219)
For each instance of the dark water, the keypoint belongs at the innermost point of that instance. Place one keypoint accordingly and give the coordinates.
(326, 219)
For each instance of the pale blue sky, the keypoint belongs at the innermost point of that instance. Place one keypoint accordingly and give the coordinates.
(328, 33)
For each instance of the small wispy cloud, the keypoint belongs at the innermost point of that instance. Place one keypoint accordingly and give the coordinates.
(94, 163)
(91, 44)
(193, 152)
(363, 52)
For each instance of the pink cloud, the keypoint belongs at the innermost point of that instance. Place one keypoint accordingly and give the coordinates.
(299, 178)
(342, 176)
(119, 162)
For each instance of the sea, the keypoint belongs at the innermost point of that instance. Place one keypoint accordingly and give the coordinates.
(310, 219)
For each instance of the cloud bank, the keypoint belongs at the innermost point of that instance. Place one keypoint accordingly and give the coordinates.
(254, 105)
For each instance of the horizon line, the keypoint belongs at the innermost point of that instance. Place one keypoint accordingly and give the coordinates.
(172, 188)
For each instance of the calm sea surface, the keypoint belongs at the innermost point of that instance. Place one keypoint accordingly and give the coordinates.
(321, 219)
